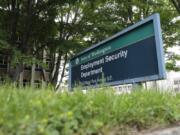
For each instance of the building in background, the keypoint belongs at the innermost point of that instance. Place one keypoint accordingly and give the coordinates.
(33, 75)
(3, 66)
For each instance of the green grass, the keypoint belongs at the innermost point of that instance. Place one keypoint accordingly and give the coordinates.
(44, 112)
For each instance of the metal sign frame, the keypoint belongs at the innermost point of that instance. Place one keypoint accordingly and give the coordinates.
(159, 51)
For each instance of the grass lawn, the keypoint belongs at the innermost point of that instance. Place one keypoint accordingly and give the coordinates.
(44, 112)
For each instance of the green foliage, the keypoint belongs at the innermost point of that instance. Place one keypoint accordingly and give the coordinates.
(172, 62)
(43, 112)
(27, 60)
(3, 40)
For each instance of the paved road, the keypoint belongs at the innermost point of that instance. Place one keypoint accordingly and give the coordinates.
(169, 131)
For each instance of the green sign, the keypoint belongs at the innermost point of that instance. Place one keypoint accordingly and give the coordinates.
(132, 55)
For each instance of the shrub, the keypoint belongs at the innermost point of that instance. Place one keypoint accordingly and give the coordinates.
(43, 112)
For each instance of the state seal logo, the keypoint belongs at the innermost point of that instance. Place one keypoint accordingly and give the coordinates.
(77, 61)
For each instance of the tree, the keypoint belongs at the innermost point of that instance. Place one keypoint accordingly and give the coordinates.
(176, 4)
(29, 24)
(64, 28)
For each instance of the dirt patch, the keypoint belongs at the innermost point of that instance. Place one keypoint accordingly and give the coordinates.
(173, 129)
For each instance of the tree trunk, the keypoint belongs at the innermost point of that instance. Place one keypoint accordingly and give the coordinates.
(56, 73)
(176, 4)
(27, 28)
(21, 79)
(33, 75)
(52, 65)
(43, 71)
(63, 71)
(14, 21)
(16, 74)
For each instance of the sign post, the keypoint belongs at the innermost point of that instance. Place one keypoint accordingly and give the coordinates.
(130, 56)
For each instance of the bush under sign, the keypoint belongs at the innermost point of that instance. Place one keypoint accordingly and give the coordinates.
(132, 55)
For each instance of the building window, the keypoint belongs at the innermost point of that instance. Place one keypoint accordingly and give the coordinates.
(48, 64)
(3, 61)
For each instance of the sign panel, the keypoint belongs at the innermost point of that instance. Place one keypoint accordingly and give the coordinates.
(132, 55)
